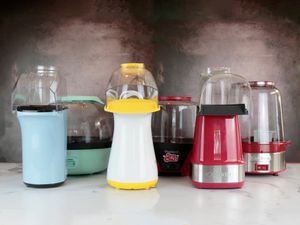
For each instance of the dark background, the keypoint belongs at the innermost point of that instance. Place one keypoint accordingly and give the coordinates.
(88, 39)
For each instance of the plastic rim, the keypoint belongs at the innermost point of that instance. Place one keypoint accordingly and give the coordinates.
(133, 69)
(175, 98)
(256, 83)
(80, 99)
(272, 147)
(132, 106)
(41, 108)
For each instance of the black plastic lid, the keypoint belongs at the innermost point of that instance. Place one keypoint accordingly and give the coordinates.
(41, 108)
(223, 110)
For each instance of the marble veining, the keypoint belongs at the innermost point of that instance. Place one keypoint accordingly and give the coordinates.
(88, 199)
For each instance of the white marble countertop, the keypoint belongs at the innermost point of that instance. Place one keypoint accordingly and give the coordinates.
(89, 200)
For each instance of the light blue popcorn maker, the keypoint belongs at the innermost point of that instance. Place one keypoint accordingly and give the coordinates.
(43, 124)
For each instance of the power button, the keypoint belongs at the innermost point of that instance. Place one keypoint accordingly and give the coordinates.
(261, 167)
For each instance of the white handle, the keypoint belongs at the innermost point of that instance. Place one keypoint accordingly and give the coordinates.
(112, 93)
(128, 94)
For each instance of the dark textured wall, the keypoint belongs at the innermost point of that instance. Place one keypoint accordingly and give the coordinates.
(178, 39)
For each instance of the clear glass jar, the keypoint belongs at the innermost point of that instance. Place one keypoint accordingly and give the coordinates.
(211, 71)
(175, 122)
(266, 114)
(225, 88)
(89, 126)
(128, 87)
(173, 131)
(40, 87)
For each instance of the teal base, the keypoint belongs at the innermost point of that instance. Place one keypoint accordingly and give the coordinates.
(87, 161)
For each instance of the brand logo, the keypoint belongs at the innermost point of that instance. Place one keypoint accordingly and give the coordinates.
(170, 157)
(218, 174)
(260, 157)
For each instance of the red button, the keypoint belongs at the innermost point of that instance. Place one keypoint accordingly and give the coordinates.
(260, 167)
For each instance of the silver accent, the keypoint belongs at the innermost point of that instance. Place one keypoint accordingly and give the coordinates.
(218, 174)
(275, 162)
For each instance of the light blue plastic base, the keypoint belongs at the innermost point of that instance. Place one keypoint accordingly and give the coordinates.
(44, 146)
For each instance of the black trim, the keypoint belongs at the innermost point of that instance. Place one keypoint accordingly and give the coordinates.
(87, 146)
(80, 143)
(223, 110)
(41, 108)
(44, 185)
(172, 141)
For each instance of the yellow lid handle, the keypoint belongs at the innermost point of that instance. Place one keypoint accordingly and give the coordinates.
(133, 68)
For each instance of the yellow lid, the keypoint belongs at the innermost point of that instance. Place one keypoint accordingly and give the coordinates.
(132, 106)
(133, 68)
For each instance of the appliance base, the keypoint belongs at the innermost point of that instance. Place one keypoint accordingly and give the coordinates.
(218, 185)
(132, 186)
(44, 185)
(172, 157)
(218, 176)
(265, 163)
(87, 161)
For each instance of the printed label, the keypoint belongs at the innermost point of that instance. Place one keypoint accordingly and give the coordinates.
(170, 157)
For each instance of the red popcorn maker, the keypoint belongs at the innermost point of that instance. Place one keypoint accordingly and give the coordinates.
(217, 155)
(264, 147)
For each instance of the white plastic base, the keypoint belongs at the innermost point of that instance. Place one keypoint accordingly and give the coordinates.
(132, 158)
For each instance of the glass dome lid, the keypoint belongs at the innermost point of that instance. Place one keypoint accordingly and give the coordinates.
(225, 93)
(132, 89)
(38, 90)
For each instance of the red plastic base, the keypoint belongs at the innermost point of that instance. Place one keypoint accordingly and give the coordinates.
(218, 185)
